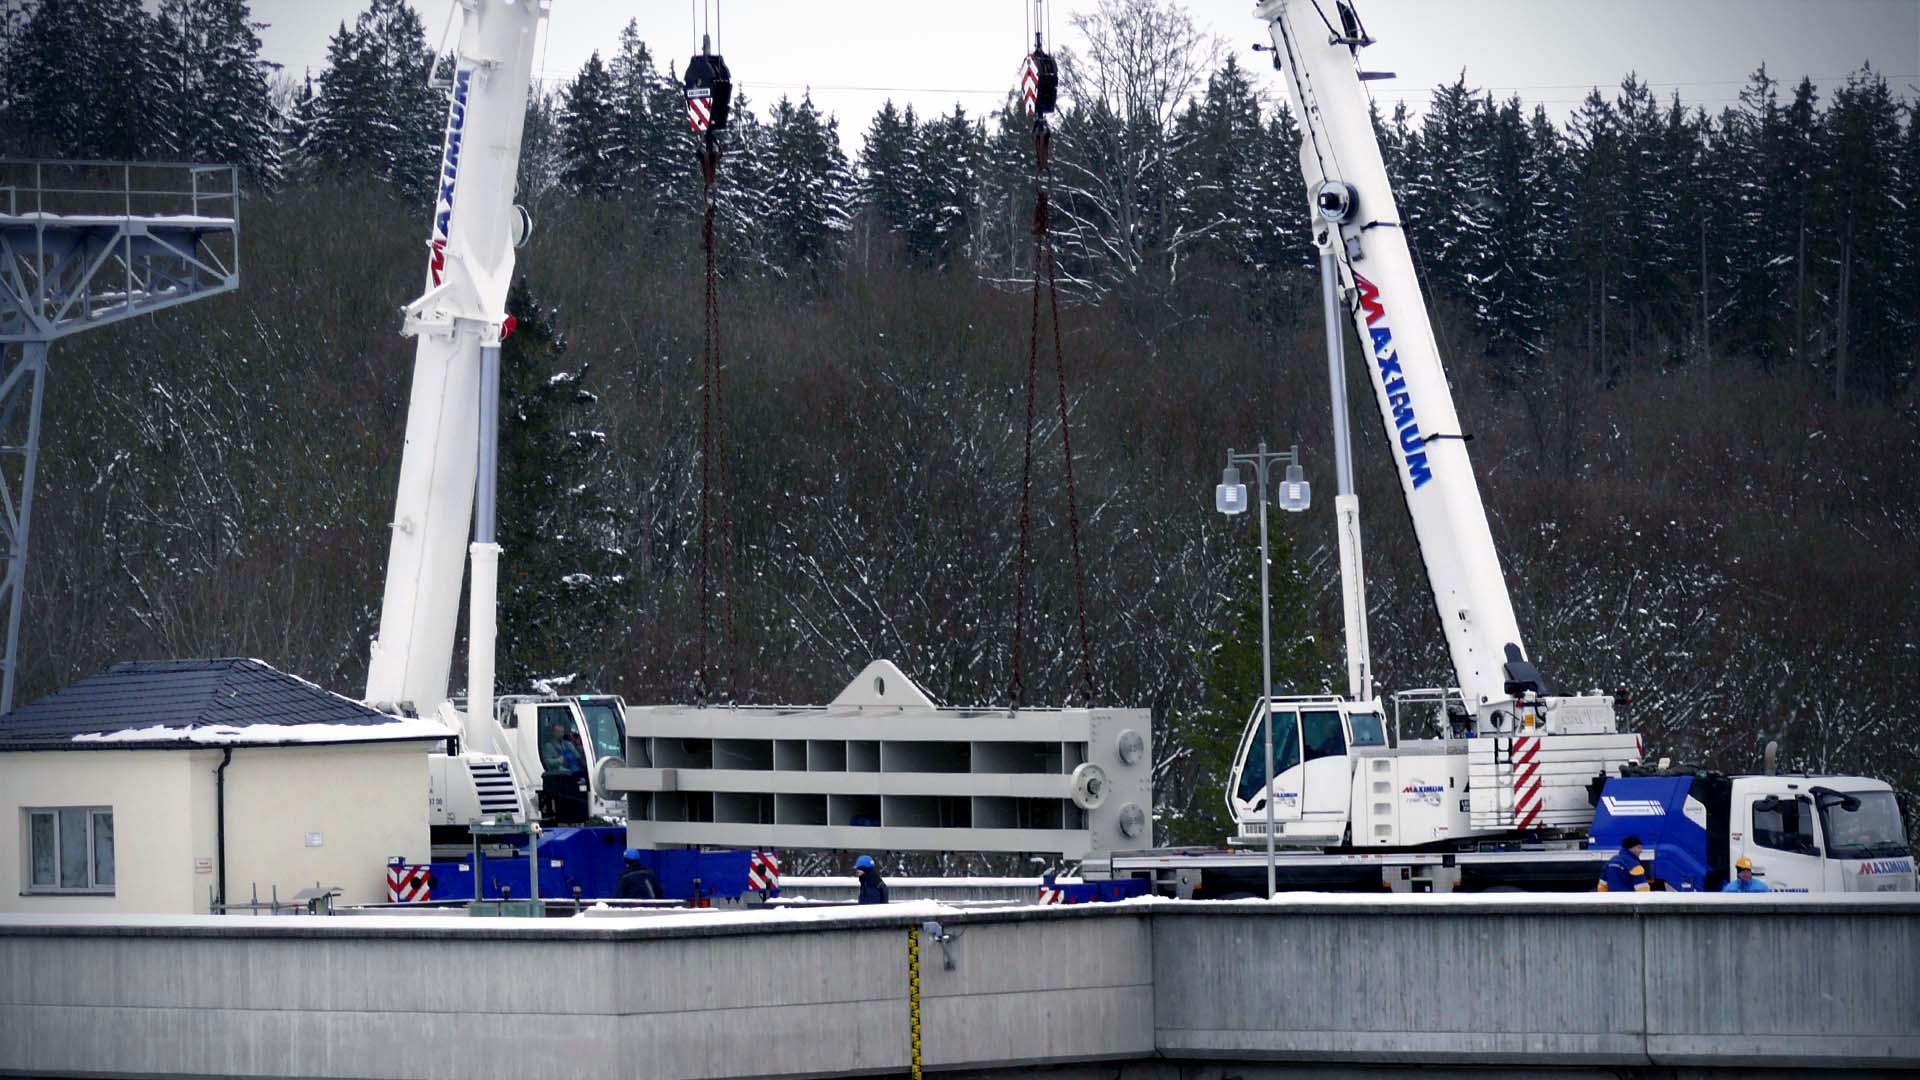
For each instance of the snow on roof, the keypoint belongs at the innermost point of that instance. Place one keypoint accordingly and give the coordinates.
(193, 703)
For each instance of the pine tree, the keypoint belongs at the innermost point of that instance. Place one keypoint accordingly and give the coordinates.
(1231, 677)
(1860, 243)
(1545, 186)
(376, 112)
(1509, 294)
(542, 158)
(947, 156)
(645, 121)
(107, 113)
(1594, 220)
(587, 136)
(887, 167)
(212, 99)
(13, 29)
(1906, 297)
(563, 571)
(809, 187)
(1448, 196)
(1219, 155)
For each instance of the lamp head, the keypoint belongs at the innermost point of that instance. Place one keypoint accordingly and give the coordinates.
(1230, 495)
(1295, 493)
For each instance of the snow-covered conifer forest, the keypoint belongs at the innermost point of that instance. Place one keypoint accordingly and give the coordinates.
(1694, 415)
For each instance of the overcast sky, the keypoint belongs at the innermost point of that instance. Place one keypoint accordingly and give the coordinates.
(853, 54)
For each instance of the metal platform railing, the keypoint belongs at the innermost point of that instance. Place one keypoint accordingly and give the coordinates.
(119, 188)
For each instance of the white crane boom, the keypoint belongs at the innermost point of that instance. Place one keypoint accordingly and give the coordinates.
(458, 323)
(1315, 45)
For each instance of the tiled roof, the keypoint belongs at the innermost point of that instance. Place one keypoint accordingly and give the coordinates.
(196, 703)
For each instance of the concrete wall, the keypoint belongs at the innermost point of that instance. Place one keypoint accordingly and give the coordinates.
(154, 838)
(366, 803)
(1662, 980)
(676, 996)
(1796, 984)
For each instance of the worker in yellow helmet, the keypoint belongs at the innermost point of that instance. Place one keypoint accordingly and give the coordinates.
(1744, 881)
(1623, 872)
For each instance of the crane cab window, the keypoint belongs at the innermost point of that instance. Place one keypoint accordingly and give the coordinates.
(1321, 735)
(1784, 824)
(1367, 729)
(560, 750)
(1253, 761)
(604, 724)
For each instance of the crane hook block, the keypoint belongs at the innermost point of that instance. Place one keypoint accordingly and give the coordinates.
(1040, 82)
(709, 89)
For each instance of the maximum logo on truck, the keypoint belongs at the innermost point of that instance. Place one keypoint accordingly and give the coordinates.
(1419, 791)
(449, 173)
(1886, 866)
(1393, 382)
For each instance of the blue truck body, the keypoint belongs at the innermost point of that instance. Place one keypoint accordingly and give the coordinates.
(591, 858)
(1655, 808)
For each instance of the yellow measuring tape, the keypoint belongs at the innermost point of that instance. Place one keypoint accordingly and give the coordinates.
(913, 994)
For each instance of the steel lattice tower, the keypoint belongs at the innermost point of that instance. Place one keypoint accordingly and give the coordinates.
(84, 244)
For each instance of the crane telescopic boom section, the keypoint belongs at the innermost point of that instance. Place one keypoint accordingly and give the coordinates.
(1315, 44)
(458, 323)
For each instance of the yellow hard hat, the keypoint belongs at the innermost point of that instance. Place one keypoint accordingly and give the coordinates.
(1744, 863)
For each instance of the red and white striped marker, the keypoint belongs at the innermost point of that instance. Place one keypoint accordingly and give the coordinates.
(763, 871)
(699, 110)
(1526, 781)
(1051, 895)
(1029, 83)
(408, 884)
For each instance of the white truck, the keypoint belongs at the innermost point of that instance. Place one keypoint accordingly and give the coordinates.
(1499, 791)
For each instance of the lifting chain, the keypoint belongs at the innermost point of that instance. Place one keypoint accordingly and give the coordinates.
(1040, 82)
(709, 87)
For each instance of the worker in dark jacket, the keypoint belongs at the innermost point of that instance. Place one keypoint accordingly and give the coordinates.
(1623, 872)
(637, 882)
(873, 889)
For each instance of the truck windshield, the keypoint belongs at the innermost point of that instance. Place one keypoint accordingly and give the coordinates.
(1874, 831)
(604, 724)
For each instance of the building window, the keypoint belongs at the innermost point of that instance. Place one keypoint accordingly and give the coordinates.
(69, 849)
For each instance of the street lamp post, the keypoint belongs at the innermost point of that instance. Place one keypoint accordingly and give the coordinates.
(1231, 498)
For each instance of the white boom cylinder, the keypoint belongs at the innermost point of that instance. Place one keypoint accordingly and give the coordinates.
(1409, 384)
(470, 266)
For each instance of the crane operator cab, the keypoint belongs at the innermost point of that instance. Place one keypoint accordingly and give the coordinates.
(562, 747)
(1317, 741)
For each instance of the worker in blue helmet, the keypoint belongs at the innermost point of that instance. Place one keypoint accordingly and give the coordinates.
(638, 881)
(873, 889)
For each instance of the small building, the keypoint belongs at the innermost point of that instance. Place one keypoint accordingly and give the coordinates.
(154, 785)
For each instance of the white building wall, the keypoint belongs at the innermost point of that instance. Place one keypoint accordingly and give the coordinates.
(363, 803)
(154, 835)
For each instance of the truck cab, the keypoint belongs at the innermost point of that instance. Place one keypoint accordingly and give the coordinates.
(561, 748)
(1803, 833)
(1312, 799)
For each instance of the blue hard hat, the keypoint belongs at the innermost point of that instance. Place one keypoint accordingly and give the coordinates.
(633, 853)
(863, 862)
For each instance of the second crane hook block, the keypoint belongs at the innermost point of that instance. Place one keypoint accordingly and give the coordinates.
(709, 89)
(1041, 82)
